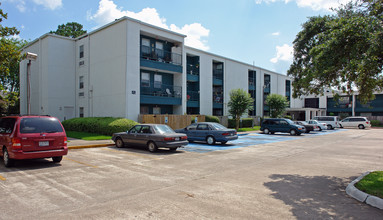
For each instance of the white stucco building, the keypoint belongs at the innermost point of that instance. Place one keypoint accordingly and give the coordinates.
(128, 67)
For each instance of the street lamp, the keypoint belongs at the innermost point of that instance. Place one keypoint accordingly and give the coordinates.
(30, 57)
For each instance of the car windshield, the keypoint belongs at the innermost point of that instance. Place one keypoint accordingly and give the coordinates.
(218, 126)
(40, 125)
(304, 123)
(290, 122)
(163, 129)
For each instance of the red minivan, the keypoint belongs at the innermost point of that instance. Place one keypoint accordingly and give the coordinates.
(31, 137)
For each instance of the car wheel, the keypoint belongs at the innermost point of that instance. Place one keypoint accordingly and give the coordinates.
(361, 126)
(266, 131)
(340, 125)
(293, 132)
(329, 127)
(320, 129)
(57, 159)
(173, 149)
(119, 143)
(8, 162)
(210, 140)
(152, 147)
(223, 142)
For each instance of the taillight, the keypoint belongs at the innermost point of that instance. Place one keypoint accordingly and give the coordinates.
(184, 138)
(16, 143)
(225, 134)
(367, 122)
(65, 141)
(169, 139)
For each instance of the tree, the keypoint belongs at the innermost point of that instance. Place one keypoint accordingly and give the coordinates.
(70, 29)
(343, 51)
(277, 104)
(240, 102)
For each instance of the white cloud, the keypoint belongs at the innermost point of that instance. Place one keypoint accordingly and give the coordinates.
(108, 12)
(284, 53)
(276, 34)
(313, 4)
(20, 5)
(49, 4)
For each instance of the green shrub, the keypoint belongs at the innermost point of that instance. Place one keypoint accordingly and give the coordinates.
(98, 125)
(246, 123)
(375, 123)
(288, 117)
(210, 118)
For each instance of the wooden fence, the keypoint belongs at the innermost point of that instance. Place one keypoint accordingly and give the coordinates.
(174, 121)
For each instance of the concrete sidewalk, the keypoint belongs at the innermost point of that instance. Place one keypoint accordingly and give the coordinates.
(74, 143)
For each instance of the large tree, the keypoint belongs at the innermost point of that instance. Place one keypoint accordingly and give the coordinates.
(343, 51)
(240, 102)
(70, 29)
(277, 105)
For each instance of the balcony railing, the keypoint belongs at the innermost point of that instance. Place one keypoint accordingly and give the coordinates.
(159, 55)
(163, 90)
(218, 98)
(192, 69)
(218, 74)
(192, 96)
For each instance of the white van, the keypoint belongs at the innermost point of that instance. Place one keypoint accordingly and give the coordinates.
(331, 121)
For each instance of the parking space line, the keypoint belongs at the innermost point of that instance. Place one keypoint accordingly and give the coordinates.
(2, 178)
(132, 154)
(89, 165)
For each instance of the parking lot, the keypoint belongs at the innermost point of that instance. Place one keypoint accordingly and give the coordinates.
(256, 177)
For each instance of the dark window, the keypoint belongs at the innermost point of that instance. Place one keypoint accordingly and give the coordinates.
(192, 127)
(81, 80)
(6, 125)
(81, 112)
(40, 125)
(312, 103)
(202, 127)
(135, 129)
(81, 51)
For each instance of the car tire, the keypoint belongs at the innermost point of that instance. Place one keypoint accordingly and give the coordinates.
(57, 159)
(173, 149)
(340, 125)
(329, 127)
(223, 142)
(152, 147)
(8, 162)
(266, 131)
(119, 143)
(320, 129)
(210, 140)
(293, 132)
(361, 126)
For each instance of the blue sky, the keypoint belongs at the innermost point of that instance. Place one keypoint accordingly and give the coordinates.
(251, 31)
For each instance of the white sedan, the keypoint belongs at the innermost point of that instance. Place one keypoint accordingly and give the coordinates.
(321, 126)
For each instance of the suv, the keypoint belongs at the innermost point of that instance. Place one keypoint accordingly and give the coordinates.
(331, 121)
(360, 122)
(30, 137)
(272, 125)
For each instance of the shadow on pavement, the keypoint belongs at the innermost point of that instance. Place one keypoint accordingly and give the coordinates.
(319, 197)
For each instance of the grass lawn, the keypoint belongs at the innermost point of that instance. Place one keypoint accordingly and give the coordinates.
(372, 184)
(87, 136)
(256, 128)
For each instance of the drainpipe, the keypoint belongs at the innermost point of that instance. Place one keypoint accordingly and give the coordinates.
(353, 104)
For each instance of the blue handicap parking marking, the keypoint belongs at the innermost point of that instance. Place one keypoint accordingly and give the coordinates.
(250, 139)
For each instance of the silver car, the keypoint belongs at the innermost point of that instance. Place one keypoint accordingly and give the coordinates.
(153, 136)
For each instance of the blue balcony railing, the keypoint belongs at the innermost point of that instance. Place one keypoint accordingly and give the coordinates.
(159, 55)
(193, 96)
(192, 69)
(163, 90)
(218, 98)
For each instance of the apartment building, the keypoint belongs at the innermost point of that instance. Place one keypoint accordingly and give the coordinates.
(129, 67)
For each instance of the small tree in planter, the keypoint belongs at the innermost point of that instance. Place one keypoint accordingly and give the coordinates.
(240, 102)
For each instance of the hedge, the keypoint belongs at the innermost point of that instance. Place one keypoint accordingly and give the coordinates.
(99, 125)
(375, 123)
(246, 123)
(209, 118)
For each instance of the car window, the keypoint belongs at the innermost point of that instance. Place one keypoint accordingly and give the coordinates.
(6, 125)
(346, 120)
(145, 130)
(135, 129)
(40, 125)
(284, 123)
(163, 129)
(289, 121)
(202, 127)
(191, 127)
(218, 126)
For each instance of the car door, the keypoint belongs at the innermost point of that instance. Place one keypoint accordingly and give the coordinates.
(346, 122)
(201, 132)
(284, 126)
(143, 135)
(131, 136)
(191, 131)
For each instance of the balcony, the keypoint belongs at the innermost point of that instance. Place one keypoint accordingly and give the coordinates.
(217, 77)
(161, 59)
(251, 84)
(218, 100)
(161, 94)
(192, 72)
(193, 99)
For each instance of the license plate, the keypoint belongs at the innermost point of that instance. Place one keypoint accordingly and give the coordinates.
(43, 143)
(177, 139)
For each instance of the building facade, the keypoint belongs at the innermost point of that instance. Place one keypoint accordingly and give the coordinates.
(129, 67)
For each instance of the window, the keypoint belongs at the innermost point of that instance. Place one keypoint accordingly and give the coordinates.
(145, 42)
(135, 129)
(81, 112)
(159, 49)
(81, 82)
(6, 125)
(157, 81)
(39, 125)
(157, 110)
(81, 63)
(145, 79)
(203, 127)
(192, 127)
(81, 51)
(81, 94)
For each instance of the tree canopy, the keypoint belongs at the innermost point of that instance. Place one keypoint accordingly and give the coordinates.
(70, 29)
(240, 102)
(343, 51)
(277, 104)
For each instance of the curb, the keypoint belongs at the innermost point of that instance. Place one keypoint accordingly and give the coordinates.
(89, 146)
(355, 193)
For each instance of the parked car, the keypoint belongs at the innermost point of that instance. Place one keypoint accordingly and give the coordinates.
(272, 125)
(356, 122)
(307, 126)
(153, 136)
(210, 132)
(321, 126)
(31, 137)
(331, 121)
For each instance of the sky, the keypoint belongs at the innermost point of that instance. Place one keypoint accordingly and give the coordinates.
(258, 32)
